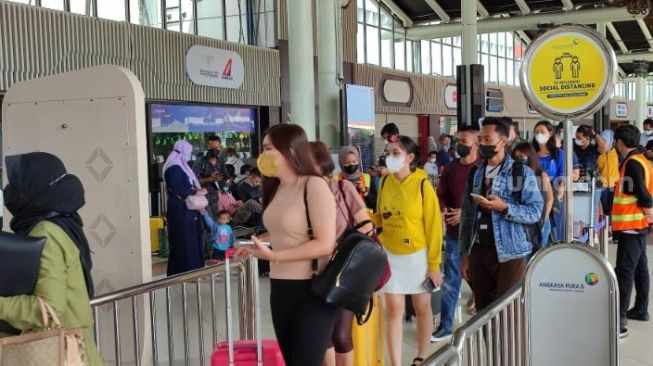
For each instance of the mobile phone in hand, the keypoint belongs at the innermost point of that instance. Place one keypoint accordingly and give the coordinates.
(429, 286)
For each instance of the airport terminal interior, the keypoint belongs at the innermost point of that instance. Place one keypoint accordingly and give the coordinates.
(326, 182)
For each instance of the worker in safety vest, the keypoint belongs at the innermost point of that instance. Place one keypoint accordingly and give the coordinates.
(632, 213)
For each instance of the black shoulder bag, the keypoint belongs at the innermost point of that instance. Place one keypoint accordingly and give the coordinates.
(353, 272)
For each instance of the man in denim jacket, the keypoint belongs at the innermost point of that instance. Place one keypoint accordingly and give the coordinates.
(493, 237)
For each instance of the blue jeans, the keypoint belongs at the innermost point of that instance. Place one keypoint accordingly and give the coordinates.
(452, 282)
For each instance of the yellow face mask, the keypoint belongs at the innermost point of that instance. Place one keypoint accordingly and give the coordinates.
(267, 165)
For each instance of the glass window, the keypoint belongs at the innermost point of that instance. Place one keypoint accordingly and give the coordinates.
(210, 18)
(409, 56)
(447, 67)
(235, 7)
(457, 58)
(187, 16)
(400, 51)
(485, 43)
(510, 45)
(387, 58)
(517, 65)
(518, 48)
(58, 5)
(372, 45)
(144, 12)
(372, 10)
(493, 44)
(386, 20)
(79, 7)
(113, 10)
(425, 48)
(436, 57)
(237, 29)
(360, 44)
(510, 72)
(265, 30)
(493, 69)
(457, 41)
(502, 71)
(360, 12)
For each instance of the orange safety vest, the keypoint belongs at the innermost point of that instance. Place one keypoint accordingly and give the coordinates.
(626, 214)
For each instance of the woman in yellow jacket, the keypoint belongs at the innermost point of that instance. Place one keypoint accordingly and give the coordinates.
(408, 213)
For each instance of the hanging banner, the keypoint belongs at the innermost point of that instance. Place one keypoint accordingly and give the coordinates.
(570, 302)
(568, 72)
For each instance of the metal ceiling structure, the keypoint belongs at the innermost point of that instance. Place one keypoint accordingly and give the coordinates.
(629, 31)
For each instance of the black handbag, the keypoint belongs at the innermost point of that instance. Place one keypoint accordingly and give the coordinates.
(353, 272)
(21, 261)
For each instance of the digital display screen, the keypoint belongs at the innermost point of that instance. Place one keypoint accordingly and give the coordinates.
(189, 118)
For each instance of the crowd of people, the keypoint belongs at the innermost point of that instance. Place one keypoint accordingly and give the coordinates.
(477, 210)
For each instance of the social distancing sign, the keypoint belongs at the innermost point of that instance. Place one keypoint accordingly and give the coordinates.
(568, 71)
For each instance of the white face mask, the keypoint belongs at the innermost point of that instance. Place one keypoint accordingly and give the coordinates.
(578, 143)
(432, 160)
(542, 138)
(648, 132)
(395, 163)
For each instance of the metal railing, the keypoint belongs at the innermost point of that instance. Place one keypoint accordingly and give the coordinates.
(495, 336)
(142, 325)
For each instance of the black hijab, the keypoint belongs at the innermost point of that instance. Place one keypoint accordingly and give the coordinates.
(40, 189)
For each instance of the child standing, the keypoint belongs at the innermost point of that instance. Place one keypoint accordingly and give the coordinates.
(221, 234)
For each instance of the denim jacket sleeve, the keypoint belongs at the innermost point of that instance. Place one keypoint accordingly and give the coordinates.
(529, 211)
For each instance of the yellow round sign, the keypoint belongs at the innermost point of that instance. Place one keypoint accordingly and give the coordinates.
(568, 72)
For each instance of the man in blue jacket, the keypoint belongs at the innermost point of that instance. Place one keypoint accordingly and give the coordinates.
(493, 235)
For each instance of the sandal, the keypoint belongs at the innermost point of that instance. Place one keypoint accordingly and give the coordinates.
(418, 361)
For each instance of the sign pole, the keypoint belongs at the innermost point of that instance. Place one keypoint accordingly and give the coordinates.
(569, 181)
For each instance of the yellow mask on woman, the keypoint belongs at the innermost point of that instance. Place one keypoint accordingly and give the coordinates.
(267, 165)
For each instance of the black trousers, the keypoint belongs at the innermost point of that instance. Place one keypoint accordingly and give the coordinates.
(632, 267)
(302, 323)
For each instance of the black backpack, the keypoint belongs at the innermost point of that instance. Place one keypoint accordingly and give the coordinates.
(353, 272)
(533, 231)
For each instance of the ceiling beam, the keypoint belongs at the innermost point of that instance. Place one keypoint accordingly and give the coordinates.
(396, 10)
(634, 56)
(617, 37)
(481, 10)
(568, 5)
(442, 14)
(523, 7)
(646, 31)
(531, 21)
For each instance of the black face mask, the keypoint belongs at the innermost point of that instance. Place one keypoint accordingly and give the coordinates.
(487, 152)
(463, 150)
(350, 169)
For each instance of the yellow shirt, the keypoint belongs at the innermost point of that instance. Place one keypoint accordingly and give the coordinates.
(409, 213)
(609, 168)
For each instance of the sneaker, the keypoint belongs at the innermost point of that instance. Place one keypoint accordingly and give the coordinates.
(440, 335)
(632, 314)
(623, 332)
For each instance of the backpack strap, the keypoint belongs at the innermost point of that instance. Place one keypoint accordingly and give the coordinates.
(517, 174)
(349, 216)
(314, 263)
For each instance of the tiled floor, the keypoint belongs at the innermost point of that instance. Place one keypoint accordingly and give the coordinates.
(636, 350)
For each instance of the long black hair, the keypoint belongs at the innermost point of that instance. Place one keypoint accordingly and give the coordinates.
(551, 144)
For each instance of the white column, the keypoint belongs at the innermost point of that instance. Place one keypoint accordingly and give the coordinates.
(641, 98)
(300, 60)
(328, 52)
(469, 22)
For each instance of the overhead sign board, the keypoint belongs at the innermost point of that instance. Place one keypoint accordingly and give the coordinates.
(215, 67)
(451, 96)
(568, 72)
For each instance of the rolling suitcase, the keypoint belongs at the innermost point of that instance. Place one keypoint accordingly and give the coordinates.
(245, 353)
(368, 338)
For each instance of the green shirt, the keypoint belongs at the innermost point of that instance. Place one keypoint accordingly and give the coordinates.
(61, 284)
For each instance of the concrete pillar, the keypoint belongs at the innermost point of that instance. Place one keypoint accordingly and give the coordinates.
(470, 27)
(300, 50)
(640, 97)
(328, 56)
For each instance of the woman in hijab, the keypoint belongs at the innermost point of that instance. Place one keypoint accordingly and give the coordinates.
(350, 166)
(43, 200)
(184, 225)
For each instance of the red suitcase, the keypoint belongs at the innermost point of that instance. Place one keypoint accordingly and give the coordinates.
(245, 353)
